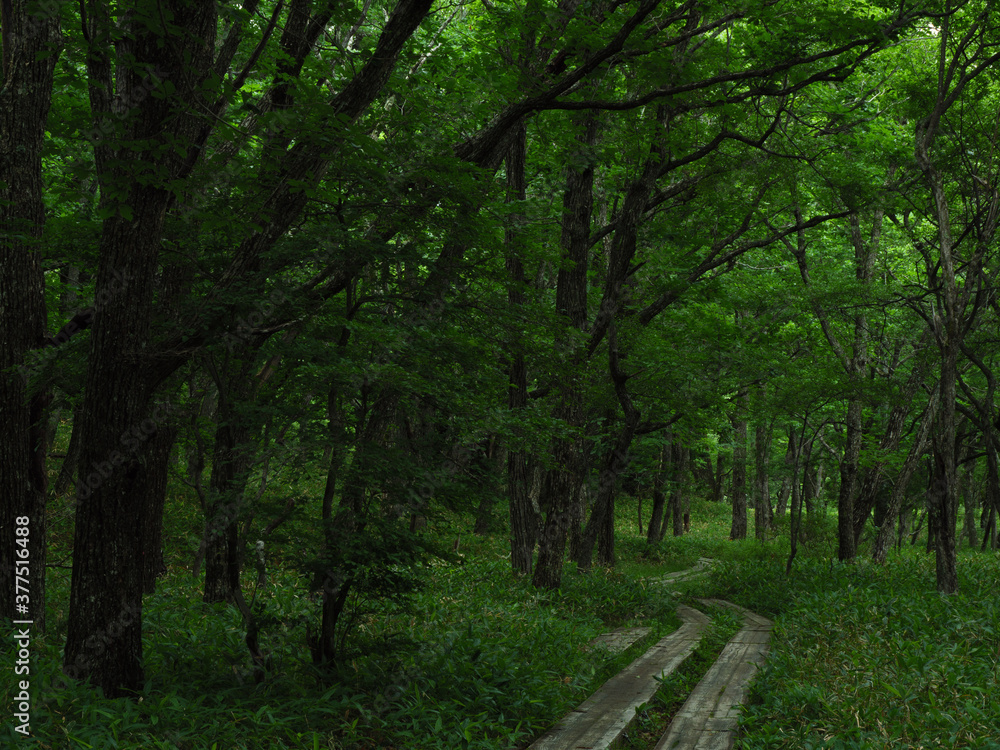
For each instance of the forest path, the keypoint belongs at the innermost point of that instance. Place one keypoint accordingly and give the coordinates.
(706, 721)
(602, 718)
(700, 568)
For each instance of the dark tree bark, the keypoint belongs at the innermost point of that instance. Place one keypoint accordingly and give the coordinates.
(523, 523)
(883, 539)
(69, 465)
(601, 521)
(653, 534)
(678, 490)
(232, 457)
(763, 515)
(30, 45)
(153, 484)
(106, 588)
(106, 592)
(564, 479)
(787, 481)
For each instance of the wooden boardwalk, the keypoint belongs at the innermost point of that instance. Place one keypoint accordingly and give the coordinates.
(602, 718)
(619, 640)
(707, 720)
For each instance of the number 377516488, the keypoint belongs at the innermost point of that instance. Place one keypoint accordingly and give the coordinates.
(21, 568)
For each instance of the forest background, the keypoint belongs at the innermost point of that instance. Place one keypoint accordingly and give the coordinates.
(357, 280)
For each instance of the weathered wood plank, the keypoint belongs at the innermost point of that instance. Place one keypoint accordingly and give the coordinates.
(619, 640)
(603, 717)
(708, 719)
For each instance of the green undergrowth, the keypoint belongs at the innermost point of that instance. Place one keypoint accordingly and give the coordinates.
(476, 659)
(872, 657)
(652, 719)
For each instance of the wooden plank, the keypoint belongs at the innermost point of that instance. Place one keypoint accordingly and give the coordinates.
(708, 719)
(619, 640)
(602, 718)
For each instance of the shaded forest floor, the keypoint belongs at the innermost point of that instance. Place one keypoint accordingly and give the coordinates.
(862, 657)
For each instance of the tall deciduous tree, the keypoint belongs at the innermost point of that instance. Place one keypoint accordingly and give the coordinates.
(31, 43)
(967, 38)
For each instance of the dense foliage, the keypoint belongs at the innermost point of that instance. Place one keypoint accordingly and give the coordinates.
(303, 297)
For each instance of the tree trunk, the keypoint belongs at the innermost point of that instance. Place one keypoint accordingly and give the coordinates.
(738, 529)
(153, 481)
(336, 578)
(874, 476)
(31, 44)
(600, 526)
(883, 539)
(763, 515)
(680, 454)
(787, 481)
(106, 589)
(846, 547)
(232, 457)
(523, 523)
(795, 521)
(653, 534)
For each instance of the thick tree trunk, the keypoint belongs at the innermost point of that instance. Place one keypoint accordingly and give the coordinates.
(31, 44)
(552, 541)
(523, 523)
(106, 589)
(571, 303)
(616, 460)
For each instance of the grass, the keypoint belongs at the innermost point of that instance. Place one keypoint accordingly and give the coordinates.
(861, 657)
(864, 657)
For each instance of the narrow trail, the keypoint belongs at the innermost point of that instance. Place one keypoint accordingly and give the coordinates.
(706, 721)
